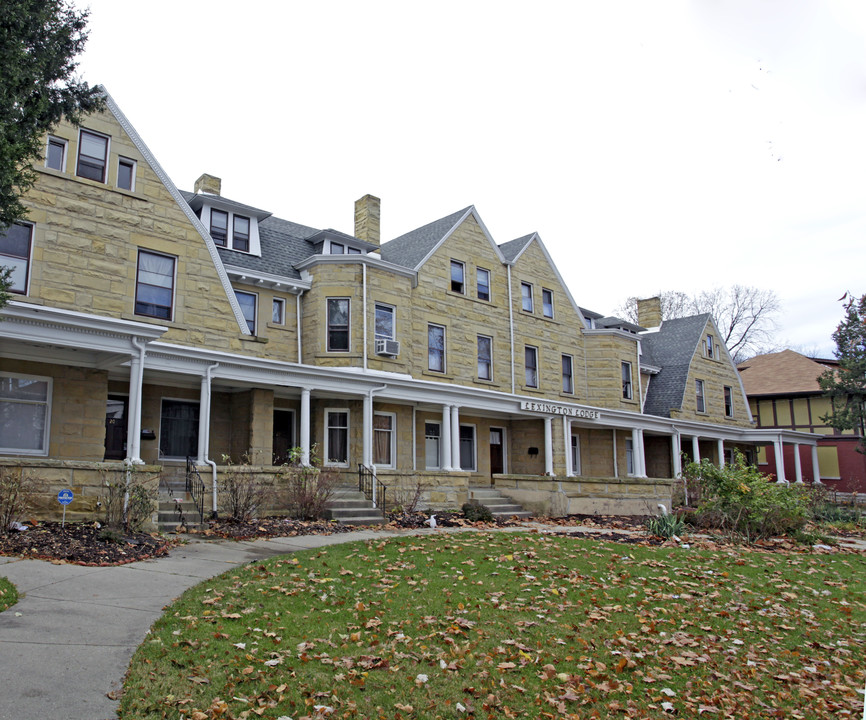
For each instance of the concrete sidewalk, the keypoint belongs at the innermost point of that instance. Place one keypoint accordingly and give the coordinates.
(70, 638)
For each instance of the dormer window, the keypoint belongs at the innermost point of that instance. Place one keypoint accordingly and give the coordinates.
(241, 233)
(219, 227)
(337, 248)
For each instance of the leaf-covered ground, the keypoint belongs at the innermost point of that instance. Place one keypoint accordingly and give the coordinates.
(502, 625)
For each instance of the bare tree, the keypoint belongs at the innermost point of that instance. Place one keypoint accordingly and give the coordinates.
(744, 315)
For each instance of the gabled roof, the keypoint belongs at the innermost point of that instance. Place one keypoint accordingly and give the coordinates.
(782, 373)
(671, 348)
(514, 248)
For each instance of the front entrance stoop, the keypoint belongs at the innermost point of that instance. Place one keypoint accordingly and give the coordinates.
(350, 506)
(500, 506)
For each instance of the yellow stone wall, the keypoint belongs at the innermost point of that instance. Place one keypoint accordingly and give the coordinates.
(605, 353)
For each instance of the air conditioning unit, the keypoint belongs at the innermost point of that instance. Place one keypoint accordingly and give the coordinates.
(387, 347)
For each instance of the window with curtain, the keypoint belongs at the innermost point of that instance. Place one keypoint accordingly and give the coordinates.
(92, 156)
(482, 283)
(383, 440)
(24, 414)
(526, 296)
(436, 348)
(154, 287)
(567, 374)
(485, 357)
(432, 459)
(337, 437)
(247, 301)
(457, 276)
(384, 322)
(530, 358)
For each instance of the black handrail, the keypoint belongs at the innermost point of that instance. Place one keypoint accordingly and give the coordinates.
(366, 479)
(195, 487)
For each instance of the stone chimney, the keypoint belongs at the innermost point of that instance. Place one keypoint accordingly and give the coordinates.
(649, 312)
(367, 218)
(208, 184)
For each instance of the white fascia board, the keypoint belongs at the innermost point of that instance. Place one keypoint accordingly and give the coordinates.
(369, 260)
(612, 331)
(469, 211)
(562, 283)
(270, 280)
(27, 312)
(184, 207)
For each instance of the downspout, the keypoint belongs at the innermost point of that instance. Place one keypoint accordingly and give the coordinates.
(511, 325)
(208, 461)
(639, 380)
(364, 353)
(298, 323)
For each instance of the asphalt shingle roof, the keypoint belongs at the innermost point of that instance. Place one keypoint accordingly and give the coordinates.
(410, 249)
(671, 348)
(782, 373)
(513, 248)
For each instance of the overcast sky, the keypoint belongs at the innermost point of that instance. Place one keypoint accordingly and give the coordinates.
(652, 145)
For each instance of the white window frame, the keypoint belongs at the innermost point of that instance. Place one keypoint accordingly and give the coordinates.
(444, 348)
(332, 248)
(278, 305)
(629, 456)
(700, 396)
(254, 329)
(60, 141)
(490, 357)
(326, 444)
(47, 403)
(173, 258)
(393, 311)
(121, 160)
(29, 263)
(728, 399)
(627, 384)
(474, 467)
(188, 401)
(88, 131)
(526, 368)
(234, 218)
(393, 439)
(546, 293)
(228, 241)
(570, 376)
(438, 465)
(455, 264)
(575, 455)
(478, 272)
(527, 303)
(709, 347)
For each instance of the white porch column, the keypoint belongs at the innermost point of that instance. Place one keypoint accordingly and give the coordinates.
(367, 432)
(676, 460)
(203, 419)
(635, 453)
(721, 446)
(446, 438)
(641, 453)
(816, 472)
(778, 449)
(305, 426)
(696, 449)
(136, 382)
(548, 446)
(455, 438)
(566, 436)
(798, 470)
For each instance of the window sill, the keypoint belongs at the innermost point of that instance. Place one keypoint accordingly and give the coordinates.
(277, 326)
(488, 383)
(253, 338)
(435, 374)
(148, 319)
(66, 175)
(470, 298)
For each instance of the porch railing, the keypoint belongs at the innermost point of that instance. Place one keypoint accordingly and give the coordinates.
(195, 487)
(374, 490)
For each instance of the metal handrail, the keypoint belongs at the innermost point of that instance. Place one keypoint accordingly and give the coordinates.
(373, 488)
(195, 487)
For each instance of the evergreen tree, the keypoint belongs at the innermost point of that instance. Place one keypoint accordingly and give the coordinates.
(846, 385)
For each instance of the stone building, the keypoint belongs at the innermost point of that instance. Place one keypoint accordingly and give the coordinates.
(150, 325)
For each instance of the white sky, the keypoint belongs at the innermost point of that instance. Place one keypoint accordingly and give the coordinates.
(653, 145)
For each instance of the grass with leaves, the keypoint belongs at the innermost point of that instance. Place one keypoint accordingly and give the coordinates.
(501, 625)
(8, 594)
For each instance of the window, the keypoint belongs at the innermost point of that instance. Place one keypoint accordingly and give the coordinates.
(626, 381)
(55, 154)
(219, 227)
(547, 302)
(729, 402)
(338, 324)
(384, 322)
(178, 429)
(530, 359)
(383, 439)
(436, 348)
(482, 283)
(467, 447)
(629, 456)
(278, 311)
(337, 248)
(575, 455)
(247, 301)
(337, 437)
(15, 246)
(431, 445)
(457, 276)
(126, 174)
(526, 296)
(241, 233)
(352, 251)
(699, 396)
(154, 287)
(92, 156)
(24, 414)
(568, 374)
(485, 358)
(710, 346)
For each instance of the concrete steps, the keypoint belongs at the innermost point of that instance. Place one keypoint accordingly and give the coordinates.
(499, 505)
(350, 506)
(173, 495)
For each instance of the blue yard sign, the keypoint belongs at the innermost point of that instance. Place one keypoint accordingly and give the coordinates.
(64, 497)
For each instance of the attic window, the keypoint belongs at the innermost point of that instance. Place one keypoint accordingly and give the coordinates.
(219, 227)
(92, 156)
(710, 347)
(241, 233)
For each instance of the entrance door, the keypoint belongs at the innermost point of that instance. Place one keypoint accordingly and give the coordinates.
(115, 427)
(284, 435)
(497, 451)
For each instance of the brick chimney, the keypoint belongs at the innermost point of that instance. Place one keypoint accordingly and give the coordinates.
(367, 219)
(208, 184)
(649, 312)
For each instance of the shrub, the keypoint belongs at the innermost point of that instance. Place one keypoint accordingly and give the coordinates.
(737, 498)
(406, 498)
(476, 513)
(17, 493)
(241, 493)
(666, 526)
(128, 498)
(307, 492)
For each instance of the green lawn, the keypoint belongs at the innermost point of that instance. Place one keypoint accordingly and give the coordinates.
(512, 625)
(8, 594)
